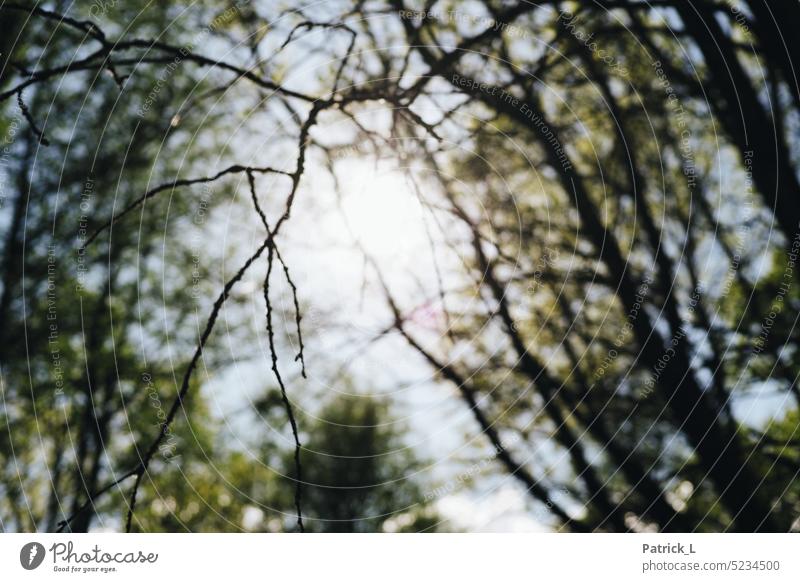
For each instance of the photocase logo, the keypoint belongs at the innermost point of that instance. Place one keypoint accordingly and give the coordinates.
(31, 555)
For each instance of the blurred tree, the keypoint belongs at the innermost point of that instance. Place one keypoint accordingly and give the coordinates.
(359, 475)
(617, 182)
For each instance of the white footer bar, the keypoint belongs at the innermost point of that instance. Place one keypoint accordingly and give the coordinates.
(402, 557)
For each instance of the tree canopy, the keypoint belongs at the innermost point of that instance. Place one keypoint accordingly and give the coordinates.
(324, 266)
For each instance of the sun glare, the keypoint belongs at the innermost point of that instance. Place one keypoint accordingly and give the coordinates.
(384, 213)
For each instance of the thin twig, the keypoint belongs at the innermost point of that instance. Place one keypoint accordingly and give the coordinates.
(235, 169)
(26, 112)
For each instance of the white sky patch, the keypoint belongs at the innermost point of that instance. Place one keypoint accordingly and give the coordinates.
(503, 510)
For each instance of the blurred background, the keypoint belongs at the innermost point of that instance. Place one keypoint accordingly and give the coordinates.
(363, 266)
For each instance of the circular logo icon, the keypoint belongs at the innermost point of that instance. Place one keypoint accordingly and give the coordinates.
(31, 555)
